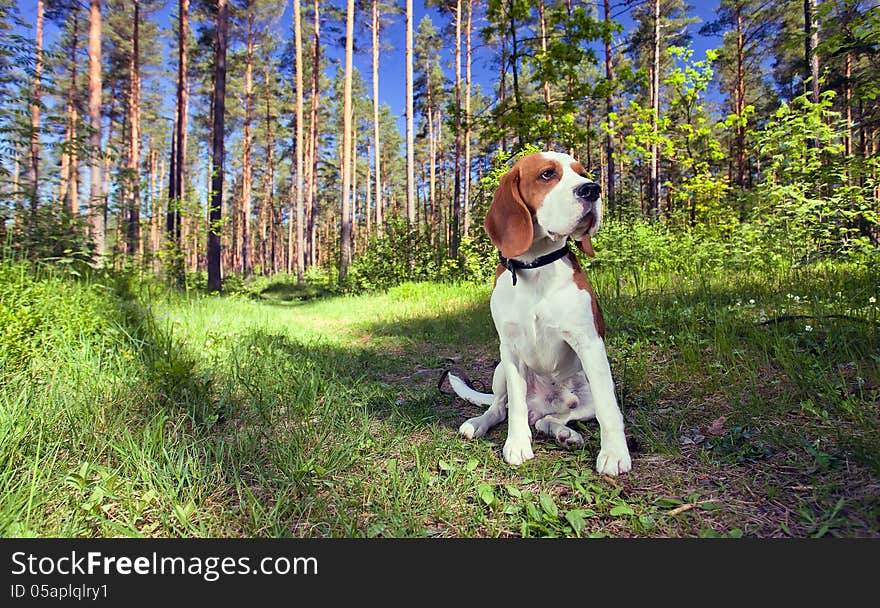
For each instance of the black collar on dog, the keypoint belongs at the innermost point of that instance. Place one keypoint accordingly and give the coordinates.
(513, 264)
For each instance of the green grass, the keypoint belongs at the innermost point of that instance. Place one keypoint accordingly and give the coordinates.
(129, 411)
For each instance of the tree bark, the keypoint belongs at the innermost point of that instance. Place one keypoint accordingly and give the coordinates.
(266, 213)
(457, 220)
(654, 179)
(71, 197)
(97, 229)
(134, 118)
(376, 143)
(247, 149)
(176, 203)
(219, 111)
(345, 236)
(312, 200)
(410, 140)
(299, 160)
(740, 101)
(34, 164)
(609, 109)
(467, 121)
(811, 57)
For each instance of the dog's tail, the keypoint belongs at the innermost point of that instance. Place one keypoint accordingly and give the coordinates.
(462, 386)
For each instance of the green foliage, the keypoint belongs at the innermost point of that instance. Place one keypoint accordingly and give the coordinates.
(42, 311)
(402, 253)
(813, 201)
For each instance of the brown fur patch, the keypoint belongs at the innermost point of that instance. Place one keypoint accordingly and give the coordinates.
(582, 282)
(579, 169)
(498, 272)
(532, 187)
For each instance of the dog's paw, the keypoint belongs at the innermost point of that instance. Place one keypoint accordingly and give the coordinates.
(472, 429)
(518, 450)
(614, 460)
(568, 438)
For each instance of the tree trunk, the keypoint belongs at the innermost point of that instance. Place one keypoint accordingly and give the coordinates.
(609, 109)
(97, 229)
(514, 72)
(457, 220)
(467, 121)
(410, 141)
(345, 242)
(219, 107)
(545, 85)
(433, 211)
(34, 165)
(312, 202)
(740, 102)
(266, 214)
(654, 180)
(176, 202)
(134, 151)
(246, 161)
(71, 199)
(299, 161)
(811, 57)
(376, 143)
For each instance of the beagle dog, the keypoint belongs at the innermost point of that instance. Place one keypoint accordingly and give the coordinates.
(554, 368)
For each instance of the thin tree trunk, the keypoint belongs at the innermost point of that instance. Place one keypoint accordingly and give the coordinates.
(545, 85)
(71, 178)
(609, 110)
(312, 201)
(153, 163)
(134, 159)
(345, 244)
(247, 160)
(740, 102)
(97, 228)
(811, 57)
(457, 219)
(433, 211)
(299, 161)
(467, 122)
(266, 214)
(654, 180)
(376, 143)
(848, 102)
(176, 203)
(410, 141)
(34, 165)
(368, 192)
(514, 62)
(219, 111)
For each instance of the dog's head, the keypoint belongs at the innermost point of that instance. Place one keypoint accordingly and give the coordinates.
(544, 195)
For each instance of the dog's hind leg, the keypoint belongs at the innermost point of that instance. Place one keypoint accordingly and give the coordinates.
(480, 425)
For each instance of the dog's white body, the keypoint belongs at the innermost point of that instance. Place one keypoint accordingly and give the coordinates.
(554, 368)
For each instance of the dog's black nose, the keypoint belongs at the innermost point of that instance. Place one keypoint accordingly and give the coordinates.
(589, 191)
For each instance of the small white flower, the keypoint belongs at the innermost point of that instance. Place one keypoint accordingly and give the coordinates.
(808, 328)
(797, 298)
(872, 299)
(752, 301)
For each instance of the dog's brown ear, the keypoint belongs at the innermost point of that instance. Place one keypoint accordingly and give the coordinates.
(586, 245)
(509, 222)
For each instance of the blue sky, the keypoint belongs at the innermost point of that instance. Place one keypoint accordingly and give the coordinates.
(392, 80)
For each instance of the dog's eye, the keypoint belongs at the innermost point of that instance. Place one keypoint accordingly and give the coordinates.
(548, 174)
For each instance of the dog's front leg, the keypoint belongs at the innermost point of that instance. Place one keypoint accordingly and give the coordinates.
(518, 447)
(614, 455)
